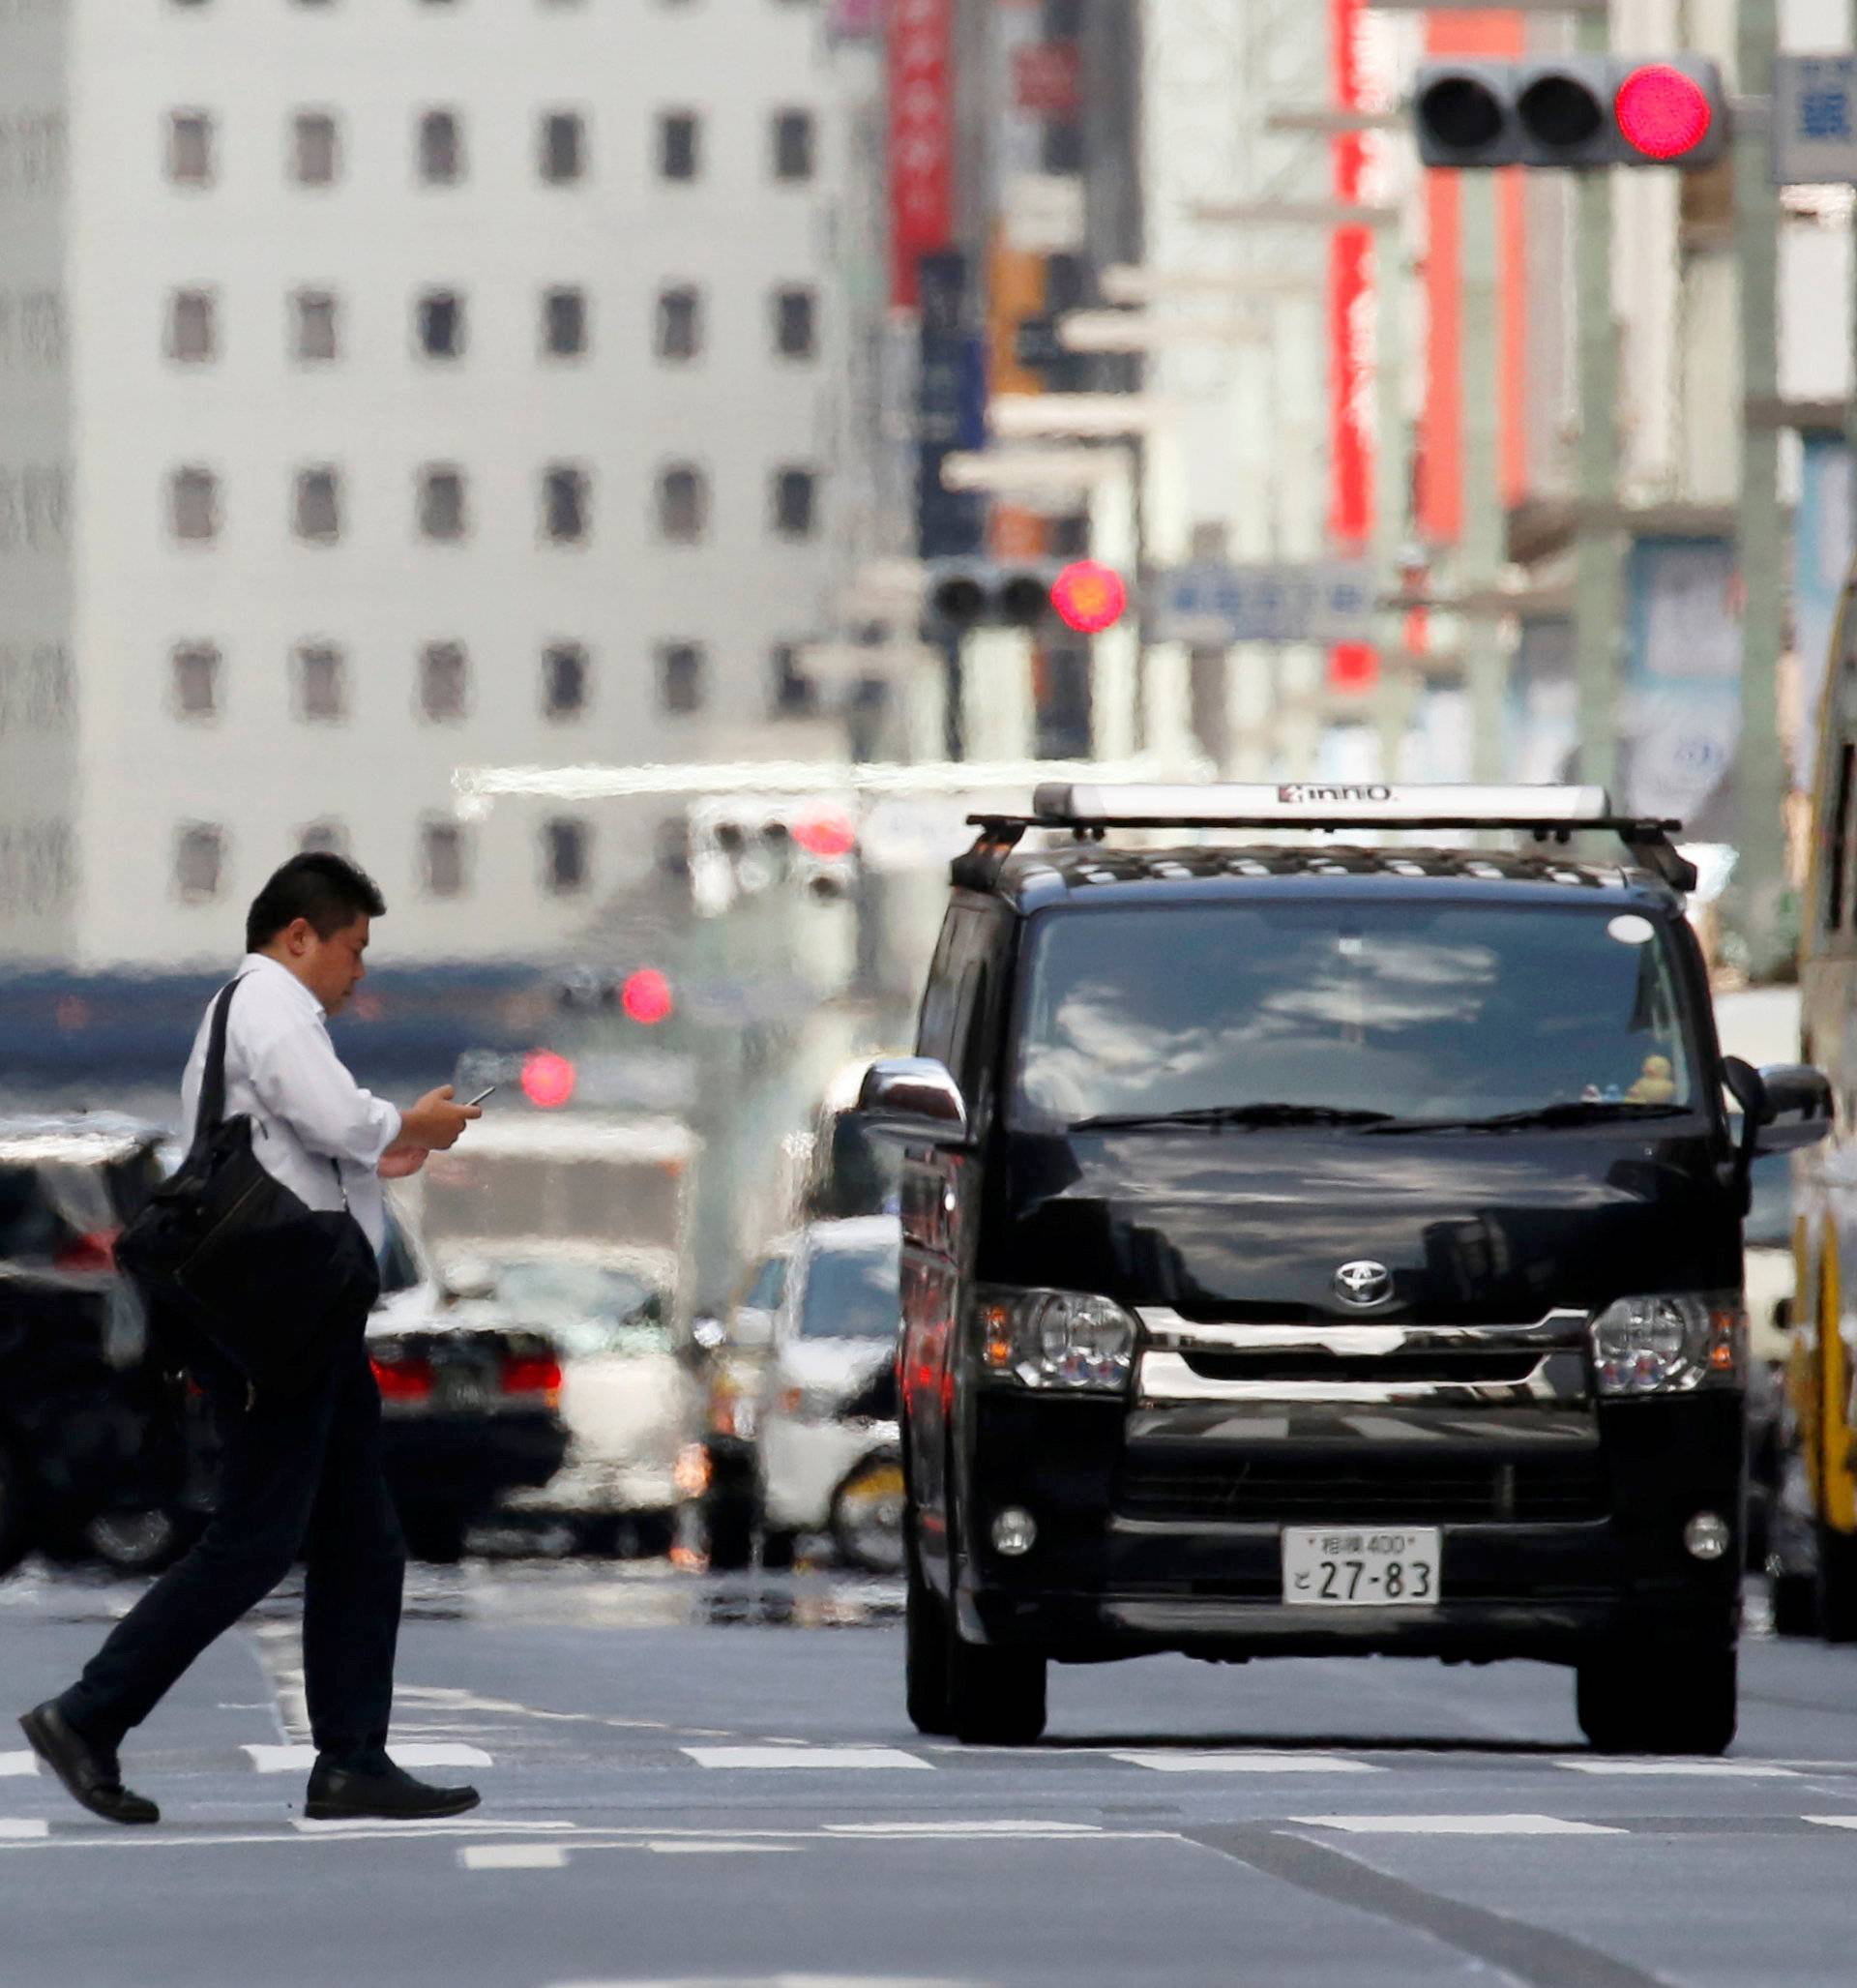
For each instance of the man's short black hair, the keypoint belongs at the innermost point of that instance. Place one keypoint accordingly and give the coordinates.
(328, 890)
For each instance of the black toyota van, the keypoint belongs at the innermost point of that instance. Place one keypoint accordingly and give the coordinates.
(1315, 1249)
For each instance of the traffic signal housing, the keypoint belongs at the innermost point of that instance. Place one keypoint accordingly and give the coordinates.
(962, 593)
(1571, 112)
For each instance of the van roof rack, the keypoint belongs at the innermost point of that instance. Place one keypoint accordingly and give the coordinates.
(1546, 813)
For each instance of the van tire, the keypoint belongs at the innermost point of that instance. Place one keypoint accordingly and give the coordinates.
(14, 1536)
(925, 1657)
(1837, 1586)
(1629, 1702)
(995, 1693)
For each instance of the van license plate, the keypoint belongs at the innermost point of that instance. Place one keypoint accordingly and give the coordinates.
(1343, 1567)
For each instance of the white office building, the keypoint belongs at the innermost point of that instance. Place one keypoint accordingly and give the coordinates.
(386, 386)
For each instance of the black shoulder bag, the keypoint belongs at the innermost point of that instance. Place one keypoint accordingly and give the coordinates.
(278, 1288)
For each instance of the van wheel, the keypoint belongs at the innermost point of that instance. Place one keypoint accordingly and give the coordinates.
(1795, 1604)
(12, 1513)
(1640, 1701)
(995, 1695)
(1837, 1586)
(925, 1657)
(138, 1542)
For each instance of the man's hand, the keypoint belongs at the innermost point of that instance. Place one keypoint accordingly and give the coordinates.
(400, 1160)
(435, 1122)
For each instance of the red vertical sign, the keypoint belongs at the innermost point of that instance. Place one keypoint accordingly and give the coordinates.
(922, 137)
(1352, 666)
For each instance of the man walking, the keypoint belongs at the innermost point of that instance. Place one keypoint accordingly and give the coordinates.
(302, 1475)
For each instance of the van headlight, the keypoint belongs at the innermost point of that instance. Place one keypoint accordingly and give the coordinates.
(1061, 1341)
(1670, 1344)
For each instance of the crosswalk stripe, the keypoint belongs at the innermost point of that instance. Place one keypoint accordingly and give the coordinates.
(286, 1759)
(1458, 1826)
(826, 1757)
(1699, 1769)
(18, 1764)
(22, 1830)
(1247, 1763)
(513, 1857)
(1831, 1822)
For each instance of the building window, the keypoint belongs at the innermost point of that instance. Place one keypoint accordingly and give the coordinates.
(680, 678)
(190, 148)
(317, 510)
(195, 680)
(565, 504)
(323, 838)
(439, 324)
(441, 149)
(321, 683)
(679, 330)
(441, 502)
(444, 682)
(796, 327)
(194, 503)
(199, 861)
(794, 693)
(565, 680)
(683, 503)
(795, 503)
(564, 148)
(314, 331)
(441, 859)
(563, 323)
(564, 855)
(314, 149)
(191, 330)
(793, 145)
(680, 145)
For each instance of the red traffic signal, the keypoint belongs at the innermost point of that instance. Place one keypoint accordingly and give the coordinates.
(547, 1080)
(646, 997)
(1661, 112)
(1089, 597)
(823, 832)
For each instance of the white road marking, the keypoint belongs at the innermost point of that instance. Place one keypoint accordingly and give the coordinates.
(285, 1760)
(988, 1828)
(1736, 1770)
(779, 1981)
(1247, 1763)
(662, 1847)
(380, 1826)
(513, 1857)
(18, 1764)
(1833, 1822)
(828, 1757)
(1458, 1826)
(19, 1830)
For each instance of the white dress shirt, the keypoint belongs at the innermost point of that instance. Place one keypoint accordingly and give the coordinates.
(281, 1071)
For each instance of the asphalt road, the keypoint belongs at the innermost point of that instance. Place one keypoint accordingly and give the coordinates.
(701, 1781)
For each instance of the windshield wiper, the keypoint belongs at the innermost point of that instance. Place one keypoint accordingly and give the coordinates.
(1234, 1115)
(1570, 1111)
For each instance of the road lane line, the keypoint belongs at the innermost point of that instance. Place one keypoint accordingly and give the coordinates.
(513, 1857)
(1727, 1770)
(285, 1760)
(1458, 1825)
(23, 1829)
(18, 1764)
(1247, 1763)
(829, 1758)
(1831, 1822)
(951, 1829)
(380, 1826)
(661, 1846)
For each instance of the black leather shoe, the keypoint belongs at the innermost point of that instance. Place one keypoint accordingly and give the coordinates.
(339, 1793)
(89, 1771)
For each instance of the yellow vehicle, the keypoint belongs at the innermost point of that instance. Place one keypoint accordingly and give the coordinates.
(1812, 1541)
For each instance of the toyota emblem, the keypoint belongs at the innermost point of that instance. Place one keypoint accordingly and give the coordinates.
(1363, 1282)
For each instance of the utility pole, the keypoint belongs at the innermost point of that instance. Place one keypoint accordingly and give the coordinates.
(1761, 772)
(1486, 665)
(1599, 566)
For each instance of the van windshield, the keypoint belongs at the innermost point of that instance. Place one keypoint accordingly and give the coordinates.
(1376, 1015)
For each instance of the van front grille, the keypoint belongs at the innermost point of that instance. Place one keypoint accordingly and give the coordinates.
(1320, 1490)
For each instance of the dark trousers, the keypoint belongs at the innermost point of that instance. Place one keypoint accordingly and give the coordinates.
(301, 1477)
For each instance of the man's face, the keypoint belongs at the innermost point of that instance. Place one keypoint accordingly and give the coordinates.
(330, 967)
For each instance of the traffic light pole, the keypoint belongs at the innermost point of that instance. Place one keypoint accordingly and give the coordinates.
(1760, 771)
(1486, 665)
(1599, 566)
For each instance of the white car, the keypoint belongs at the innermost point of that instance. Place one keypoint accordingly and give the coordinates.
(826, 1435)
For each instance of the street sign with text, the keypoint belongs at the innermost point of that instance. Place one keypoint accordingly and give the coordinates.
(1213, 605)
(1814, 120)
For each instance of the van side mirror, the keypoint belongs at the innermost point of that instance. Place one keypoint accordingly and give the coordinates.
(913, 1099)
(1783, 1105)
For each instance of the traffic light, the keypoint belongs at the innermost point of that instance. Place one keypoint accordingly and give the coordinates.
(743, 844)
(1572, 111)
(984, 593)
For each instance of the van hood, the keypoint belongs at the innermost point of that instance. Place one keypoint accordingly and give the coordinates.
(1476, 1228)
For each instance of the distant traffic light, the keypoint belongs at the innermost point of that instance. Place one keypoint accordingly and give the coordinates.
(983, 593)
(1571, 112)
(646, 997)
(547, 1080)
(743, 844)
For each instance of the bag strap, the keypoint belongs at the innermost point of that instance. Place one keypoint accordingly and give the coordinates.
(212, 1104)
